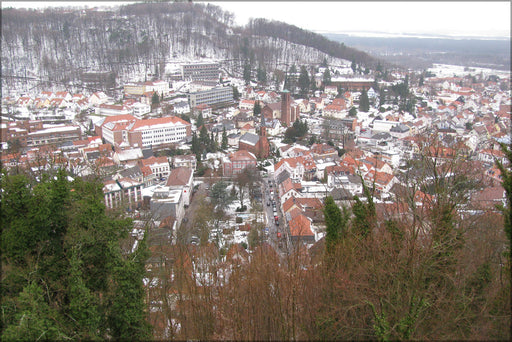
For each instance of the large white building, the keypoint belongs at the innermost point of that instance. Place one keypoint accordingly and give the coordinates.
(158, 131)
(128, 130)
(212, 96)
(200, 71)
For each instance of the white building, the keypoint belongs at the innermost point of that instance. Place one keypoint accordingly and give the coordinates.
(139, 109)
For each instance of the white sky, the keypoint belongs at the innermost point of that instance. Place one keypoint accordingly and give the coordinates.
(464, 18)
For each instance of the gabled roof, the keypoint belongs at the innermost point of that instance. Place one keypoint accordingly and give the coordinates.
(154, 160)
(300, 226)
(242, 155)
(179, 176)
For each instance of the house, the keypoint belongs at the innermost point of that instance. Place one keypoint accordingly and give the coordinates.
(490, 156)
(128, 157)
(159, 166)
(182, 178)
(300, 230)
(64, 95)
(189, 161)
(334, 111)
(383, 181)
(287, 189)
(203, 109)
(246, 104)
(294, 166)
(98, 98)
(235, 162)
(140, 109)
(331, 90)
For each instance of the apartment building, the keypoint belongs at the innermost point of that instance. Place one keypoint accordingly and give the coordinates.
(200, 71)
(210, 97)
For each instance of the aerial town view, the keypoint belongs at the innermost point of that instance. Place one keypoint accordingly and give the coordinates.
(182, 170)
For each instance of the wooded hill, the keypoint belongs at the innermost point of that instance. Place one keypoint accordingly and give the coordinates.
(57, 44)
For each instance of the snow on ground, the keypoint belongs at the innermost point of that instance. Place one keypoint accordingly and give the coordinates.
(447, 70)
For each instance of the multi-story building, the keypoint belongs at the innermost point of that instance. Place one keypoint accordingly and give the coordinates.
(159, 166)
(182, 178)
(54, 134)
(213, 96)
(124, 191)
(35, 133)
(237, 161)
(200, 71)
(143, 133)
(139, 109)
(112, 110)
(139, 88)
(111, 128)
(158, 131)
(189, 161)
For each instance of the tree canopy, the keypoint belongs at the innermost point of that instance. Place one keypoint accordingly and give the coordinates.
(65, 273)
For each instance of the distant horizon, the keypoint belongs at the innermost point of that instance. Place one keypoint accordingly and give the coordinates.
(383, 34)
(453, 19)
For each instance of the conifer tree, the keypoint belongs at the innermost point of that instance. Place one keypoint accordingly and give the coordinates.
(224, 144)
(335, 222)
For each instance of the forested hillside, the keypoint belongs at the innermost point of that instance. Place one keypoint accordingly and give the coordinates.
(57, 44)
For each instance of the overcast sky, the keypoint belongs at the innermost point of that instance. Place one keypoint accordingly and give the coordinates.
(457, 18)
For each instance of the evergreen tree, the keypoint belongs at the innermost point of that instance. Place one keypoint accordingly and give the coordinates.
(364, 213)
(236, 94)
(224, 144)
(261, 75)
(257, 108)
(353, 66)
(155, 99)
(352, 112)
(203, 137)
(364, 102)
(304, 81)
(335, 222)
(200, 120)
(506, 175)
(196, 145)
(324, 63)
(60, 255)
(247, 73)
(326, 78)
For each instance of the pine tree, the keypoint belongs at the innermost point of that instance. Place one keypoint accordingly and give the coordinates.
(247, 73)
(257, 108)
(364, 102)
(60, 249)
(304, 81)
(200, 120)
(224, 144)
(335, 222)
(327, 77)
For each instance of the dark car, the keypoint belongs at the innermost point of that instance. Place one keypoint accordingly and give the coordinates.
(268, 204)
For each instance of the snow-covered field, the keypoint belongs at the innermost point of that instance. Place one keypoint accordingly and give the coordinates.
(446, 70)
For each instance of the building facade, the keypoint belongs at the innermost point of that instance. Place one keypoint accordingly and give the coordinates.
(200, 71)
(210, 97)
